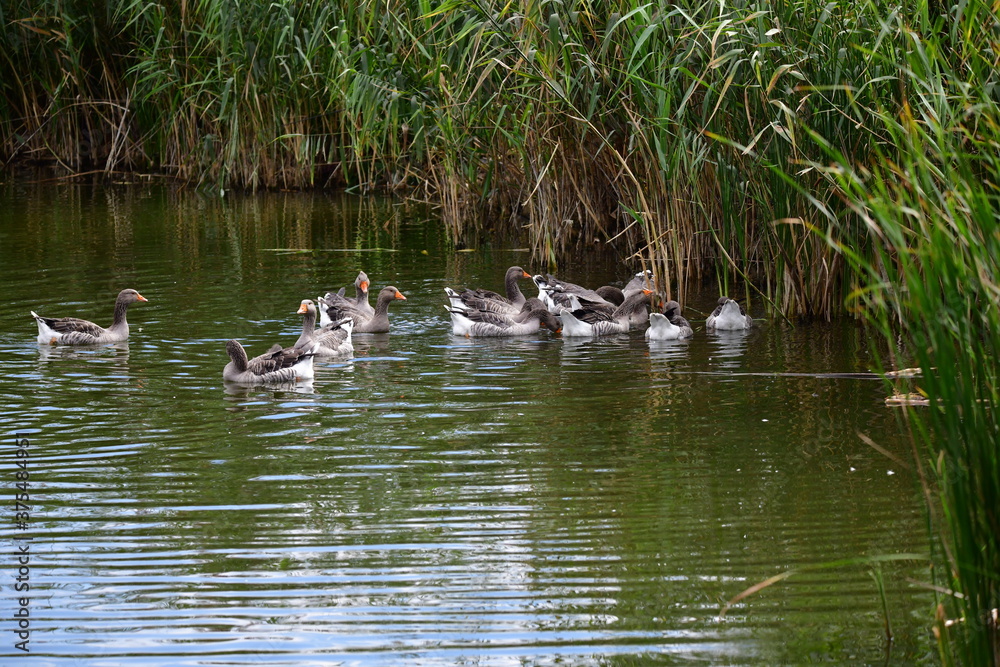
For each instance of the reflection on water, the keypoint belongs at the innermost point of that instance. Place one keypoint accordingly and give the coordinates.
(668, 350)
(300, 387)
(580, 350)
(728, 347)
(435, 499)
(116, 354)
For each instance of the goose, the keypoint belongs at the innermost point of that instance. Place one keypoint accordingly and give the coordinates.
(559, 295)
(636, 312)
(728, 315)
(376, 323)
(598, 322)
(640, 281)
(553, 285)
(333, 340)
(557, 299)
(672, 311)
(669, 325)
(359, 302)
(482, 324)
(554, 297)
(73, 331)
(512, 289)
(483, 299)
(277, 365)
(612, 294)
(471, 300)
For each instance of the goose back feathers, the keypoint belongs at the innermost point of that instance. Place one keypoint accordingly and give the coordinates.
(599, 322)
(276, 366)
(669, 325)
(728, 316)
(482, 324)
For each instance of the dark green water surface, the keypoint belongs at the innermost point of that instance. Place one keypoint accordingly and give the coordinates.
(434, 500)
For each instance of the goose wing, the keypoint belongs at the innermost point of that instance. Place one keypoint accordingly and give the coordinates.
(276, 359)
(67, 325)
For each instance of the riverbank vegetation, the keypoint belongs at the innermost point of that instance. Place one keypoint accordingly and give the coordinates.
(664, 130)
(931, 286)
(808, 155)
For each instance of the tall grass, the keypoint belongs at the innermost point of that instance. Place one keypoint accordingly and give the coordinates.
(929, 280)
(649, 127)
(62, 97)
(653, 128)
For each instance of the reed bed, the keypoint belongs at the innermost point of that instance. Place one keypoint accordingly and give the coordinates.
(929, 281)
(653, 128)
(933, 289)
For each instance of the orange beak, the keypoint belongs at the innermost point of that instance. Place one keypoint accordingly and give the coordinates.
(399, 295)
(141, 297)
(364, 285)
(647, 292)
(303, 309)
(525, 274)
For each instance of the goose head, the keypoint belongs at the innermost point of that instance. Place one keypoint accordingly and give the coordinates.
(361, 282)
(130, 296)
(547, 320)
(306, 306)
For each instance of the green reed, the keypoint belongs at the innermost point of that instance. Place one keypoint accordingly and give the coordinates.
(929, 280)
(653, 128)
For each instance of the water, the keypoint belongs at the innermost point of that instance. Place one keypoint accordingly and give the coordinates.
(434, 500)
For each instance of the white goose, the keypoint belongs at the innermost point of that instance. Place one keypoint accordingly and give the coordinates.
(558, 295)
(669, 325)
(728, 316)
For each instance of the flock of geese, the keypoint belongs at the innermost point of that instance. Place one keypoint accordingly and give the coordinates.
(560, 306)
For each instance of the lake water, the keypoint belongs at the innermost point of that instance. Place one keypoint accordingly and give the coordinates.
(434, 500)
